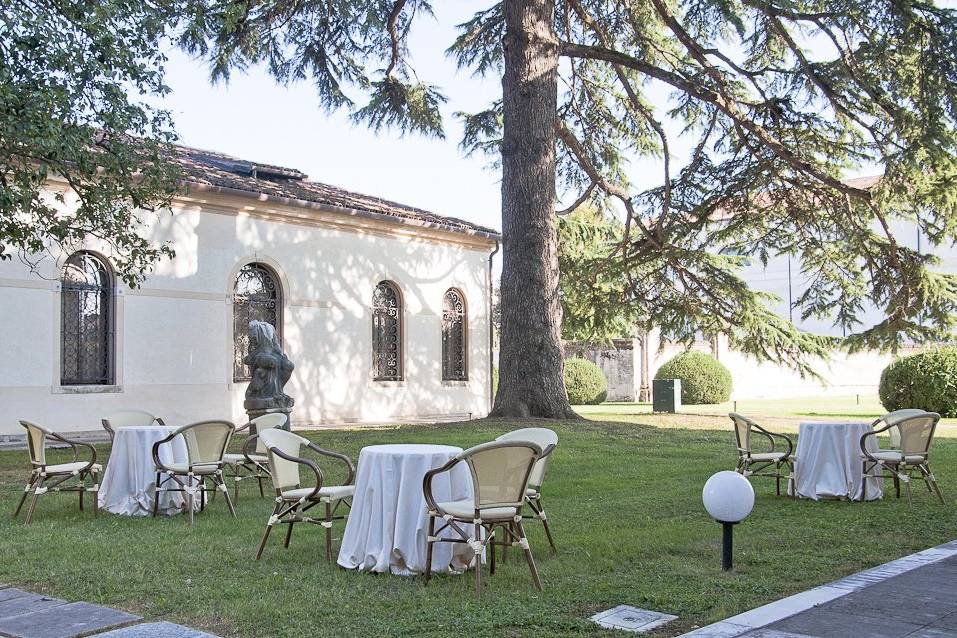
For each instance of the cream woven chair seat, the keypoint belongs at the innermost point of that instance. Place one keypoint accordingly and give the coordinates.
(465, 510)
(70, 468)
(184, 468)
(896, 456)
(768, 456)
(239, 459)
(333, 492)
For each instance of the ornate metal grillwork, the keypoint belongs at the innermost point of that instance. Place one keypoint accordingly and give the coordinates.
(386, 333)
(256, 296)
(454, 362)
(86, 322)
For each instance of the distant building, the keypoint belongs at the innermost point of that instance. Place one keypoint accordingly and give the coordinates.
(383, 308)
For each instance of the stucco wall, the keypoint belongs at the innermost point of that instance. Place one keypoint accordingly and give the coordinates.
(174, 335)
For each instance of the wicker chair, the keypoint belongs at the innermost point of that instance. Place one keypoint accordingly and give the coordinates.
(52, 477)
(128, 418)
(547, 440)
(500, 474)
(911, 433)
(250, 463)
(206, 443)
(764, 461)
(293, 501)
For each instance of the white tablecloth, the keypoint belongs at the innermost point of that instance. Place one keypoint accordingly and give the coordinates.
(828, 461)
(388, 524)
(128, 482)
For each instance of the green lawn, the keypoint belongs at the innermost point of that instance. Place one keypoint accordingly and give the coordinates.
(624, 499)
(865, 407)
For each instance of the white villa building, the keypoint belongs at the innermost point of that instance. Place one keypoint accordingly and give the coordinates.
(383, 308)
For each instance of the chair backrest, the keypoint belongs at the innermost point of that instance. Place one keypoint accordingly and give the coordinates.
(128, 419)
(285, 473)
(892, 418)
(544, 438)
(742, 431)
(263, 423)
(500, 471)
(916, 429)
(206, 441)
(36, 442)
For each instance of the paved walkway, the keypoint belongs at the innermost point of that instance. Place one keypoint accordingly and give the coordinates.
(915, 596)
(27, 615)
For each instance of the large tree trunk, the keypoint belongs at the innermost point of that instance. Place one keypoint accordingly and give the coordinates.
(531, 362)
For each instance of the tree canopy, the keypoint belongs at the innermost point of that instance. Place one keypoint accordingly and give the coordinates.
(75, 78)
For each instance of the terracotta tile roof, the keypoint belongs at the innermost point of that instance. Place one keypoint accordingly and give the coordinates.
(216, 169)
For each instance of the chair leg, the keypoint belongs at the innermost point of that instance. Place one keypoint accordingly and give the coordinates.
(156, 496)
(931, 481)
(33, 503)
(259, 478)
(221, 484)
(528, 555)
(23, 497)
(863, 481)
(288, 535)
(269, 524)
(82, 487)
(491, 548)
(328, 528)
(96, 494)
(777, 478)
(428, 549)
(539, 509)
(478, 563)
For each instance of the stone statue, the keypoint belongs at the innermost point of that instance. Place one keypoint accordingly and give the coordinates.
(270, 370)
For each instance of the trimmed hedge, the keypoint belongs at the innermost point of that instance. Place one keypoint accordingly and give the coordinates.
(585, 382)
(704, 379)
(927, 380)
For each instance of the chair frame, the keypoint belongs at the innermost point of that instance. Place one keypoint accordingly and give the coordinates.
(112, 431)
(249, 469)
(513, 532)
(745, 461)
(289, 512)
(534, 500)
(190, 487)
(39, 474)
(900, 471)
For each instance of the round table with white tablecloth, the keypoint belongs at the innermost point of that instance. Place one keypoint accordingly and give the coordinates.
(388, 523)
(129, 481)
(828, 462)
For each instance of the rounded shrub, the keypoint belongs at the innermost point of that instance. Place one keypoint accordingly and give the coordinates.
(927, 380)
(585, 382)
(704, 379)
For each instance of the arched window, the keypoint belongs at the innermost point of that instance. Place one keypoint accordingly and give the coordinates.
(387, 332)
(86, 321)
(454, 325)
(257, 296)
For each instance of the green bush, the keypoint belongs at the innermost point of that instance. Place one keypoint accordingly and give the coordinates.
(927, 380)
(704, 379)
(585, 382)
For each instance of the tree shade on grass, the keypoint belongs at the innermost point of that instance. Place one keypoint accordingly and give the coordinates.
(624, 501)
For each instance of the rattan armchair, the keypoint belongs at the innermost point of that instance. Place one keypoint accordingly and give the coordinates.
(547, 440)
(252, 462)
(46, 477)
(293, 501)
(128, 418)
(763, 461)
(911, 433)
(206, 443)
(500, 475)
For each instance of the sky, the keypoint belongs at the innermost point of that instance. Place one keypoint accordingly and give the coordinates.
(254, 118)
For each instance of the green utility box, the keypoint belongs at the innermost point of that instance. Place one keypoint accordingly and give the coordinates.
(666, 395)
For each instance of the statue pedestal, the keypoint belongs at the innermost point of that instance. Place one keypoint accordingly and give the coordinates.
(286, 411)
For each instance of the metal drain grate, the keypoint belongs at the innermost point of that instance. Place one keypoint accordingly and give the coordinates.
(627, 618)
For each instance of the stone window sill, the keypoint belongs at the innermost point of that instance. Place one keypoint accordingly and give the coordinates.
(86, 389)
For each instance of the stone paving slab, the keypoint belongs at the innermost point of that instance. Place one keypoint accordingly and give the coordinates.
(70, 620)
(26, 603)
(155, 630)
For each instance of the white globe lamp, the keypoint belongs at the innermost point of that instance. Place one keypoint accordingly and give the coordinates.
(729, 498)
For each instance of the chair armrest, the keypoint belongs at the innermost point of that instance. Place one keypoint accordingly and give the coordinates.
(312, 466)
(427, 482)
(244, 428)
(156, 459)
(548, 450)
(247, 448)
(787, 439)
(75, 445)
(159, 421)
(873, 433)
(336, 455)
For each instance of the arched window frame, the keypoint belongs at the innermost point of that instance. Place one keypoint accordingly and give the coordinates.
(97, 367)
(387, 332)
(455, 364)
(259, 307)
